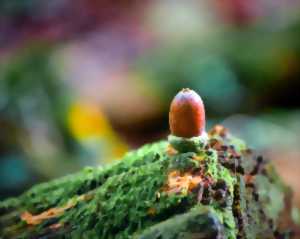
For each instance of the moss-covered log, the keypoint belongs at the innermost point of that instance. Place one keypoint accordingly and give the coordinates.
(181, 188)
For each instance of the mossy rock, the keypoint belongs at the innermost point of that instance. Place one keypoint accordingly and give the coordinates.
(220, 189)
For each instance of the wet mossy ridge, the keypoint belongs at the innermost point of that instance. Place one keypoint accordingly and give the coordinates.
(220, 189)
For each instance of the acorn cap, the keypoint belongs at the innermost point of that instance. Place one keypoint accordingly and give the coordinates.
(187, 114)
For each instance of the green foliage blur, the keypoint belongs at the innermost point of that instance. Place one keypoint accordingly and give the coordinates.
(81, 82)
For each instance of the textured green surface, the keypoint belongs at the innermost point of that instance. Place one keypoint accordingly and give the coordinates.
(240, 196)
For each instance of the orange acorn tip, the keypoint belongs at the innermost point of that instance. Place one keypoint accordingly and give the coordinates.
(187, 114)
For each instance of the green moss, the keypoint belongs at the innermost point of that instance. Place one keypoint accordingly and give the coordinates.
(129, 199)
(199, 222)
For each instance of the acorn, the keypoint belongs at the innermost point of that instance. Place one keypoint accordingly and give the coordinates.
(187, 114)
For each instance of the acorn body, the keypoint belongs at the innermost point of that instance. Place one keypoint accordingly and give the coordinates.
(187, 114)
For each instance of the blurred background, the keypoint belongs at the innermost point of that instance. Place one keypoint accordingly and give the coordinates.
(84, 81)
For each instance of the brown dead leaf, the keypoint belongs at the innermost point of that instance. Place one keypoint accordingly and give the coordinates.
(151, 211)
(31, 219)
(218, 130)
(171, 151)
(178, 182)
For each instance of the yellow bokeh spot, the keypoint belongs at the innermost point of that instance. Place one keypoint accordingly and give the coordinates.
(87, 120)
